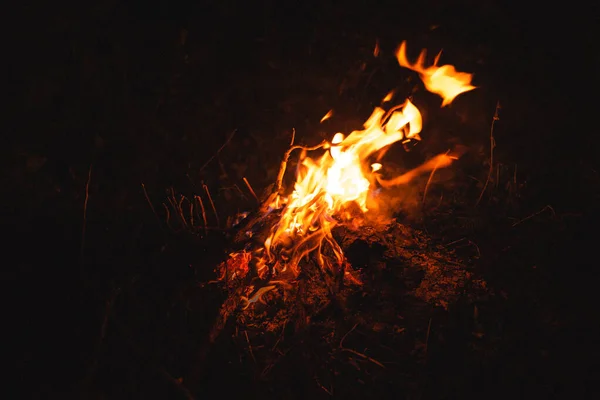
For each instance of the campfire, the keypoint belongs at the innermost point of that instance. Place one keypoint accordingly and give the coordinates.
(292, 236)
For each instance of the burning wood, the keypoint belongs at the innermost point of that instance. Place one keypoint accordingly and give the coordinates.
(292, 239)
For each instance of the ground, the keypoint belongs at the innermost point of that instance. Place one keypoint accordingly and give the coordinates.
(118, 107)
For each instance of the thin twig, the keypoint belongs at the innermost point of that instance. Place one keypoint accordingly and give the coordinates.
(218, 151)
(212, 204)
(173, 202)
(440, 201)
(286, 157)
(239, 191)
(150, 204)
(329, 392)
(472, 243)
(492, 145)
(427, 337)
(180, 212)
(85, 204)
(251, 190)
(347, 333)
(374, 361)
(168, 216)
(431, 177)
(203, 213)
(250, 347)
(456, 241)
(547, 207)
(469, 242)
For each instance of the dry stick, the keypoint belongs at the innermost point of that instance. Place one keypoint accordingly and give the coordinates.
(189, 220)
(283, 167)
(173, 203)
(286, 157)
(440, 202)
(456, 241)
(85, 203)
(366, 357)
(171, 200)
(251, 190)
(547, 207)
(151, 206)
(427, 338)
(218, 151)
(239, 190)
(476, 248)
(168, 215)
(180, 212)
(431, 177)
(250, 346)
(203, 213)
(492, 145)
(329, 392)
(191, 214)
(212, 204)
(347, 333)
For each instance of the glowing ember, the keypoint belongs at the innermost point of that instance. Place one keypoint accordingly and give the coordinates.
(329, 189)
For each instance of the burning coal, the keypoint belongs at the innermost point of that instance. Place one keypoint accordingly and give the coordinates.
(332, 190)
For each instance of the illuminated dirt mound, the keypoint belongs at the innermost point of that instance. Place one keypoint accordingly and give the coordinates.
(437, 274)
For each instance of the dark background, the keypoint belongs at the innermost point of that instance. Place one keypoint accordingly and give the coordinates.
(147, 93)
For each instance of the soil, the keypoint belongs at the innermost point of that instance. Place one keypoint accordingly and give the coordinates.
(119, 109)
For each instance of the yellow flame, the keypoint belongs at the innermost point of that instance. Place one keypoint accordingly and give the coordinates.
(326, 186)
(330, 188)
(327, 116)
(389, 96)
(444, 81)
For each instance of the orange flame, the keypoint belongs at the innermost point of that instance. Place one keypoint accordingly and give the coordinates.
(328, 187)
(327, 116)
(444, 81)
(388, 97)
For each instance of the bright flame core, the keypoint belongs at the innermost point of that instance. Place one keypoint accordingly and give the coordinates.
(327, 187)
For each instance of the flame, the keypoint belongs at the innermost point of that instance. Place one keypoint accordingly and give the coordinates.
(439, 161)
(444, 81)
(332, 188)
(389, 96)
(327, 116)
(326, 187)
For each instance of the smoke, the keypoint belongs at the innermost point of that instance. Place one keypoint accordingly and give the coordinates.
(405, 192)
